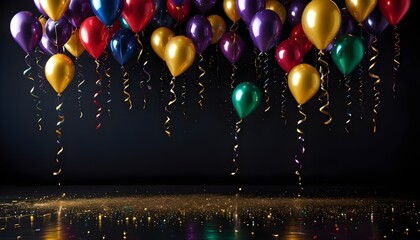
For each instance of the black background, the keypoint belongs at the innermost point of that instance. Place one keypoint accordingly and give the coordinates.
(132, 148)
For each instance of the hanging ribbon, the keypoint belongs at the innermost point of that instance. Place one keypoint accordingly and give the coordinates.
(80, 82)
(126, 85)
(299, 156)
(162, 82)
(184, 97)
(148, 76)
(283, 99)
(28, 74)
(167, 124)
(38, 55)
(360, 89)
(324, 98)
(200, 81)
(266, 82)
(108, 76)
(377, 80)
(141, 84)
(397, 52)
(97, 94)
(59, 133)
(348, 104)
(236, 146)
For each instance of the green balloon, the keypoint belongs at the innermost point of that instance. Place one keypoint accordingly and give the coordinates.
(124, 23)
(347, 53)
(245, 98)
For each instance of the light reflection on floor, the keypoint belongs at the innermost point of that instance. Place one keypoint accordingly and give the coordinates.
(207, 216)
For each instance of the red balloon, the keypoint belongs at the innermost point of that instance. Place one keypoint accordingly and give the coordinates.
(298, 35)
(289, 54)
(138, 13)
(394, 10)
(94, 36)
(178, 12)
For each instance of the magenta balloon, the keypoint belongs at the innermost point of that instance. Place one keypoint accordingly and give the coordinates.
(58, 31)
(248, 8)
(78, 11)
(232, 46)
(26, 30)
(265, 29)
(199, 30)
(40, 9)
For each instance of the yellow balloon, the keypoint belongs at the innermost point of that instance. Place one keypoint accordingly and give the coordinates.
(360, 9)
(277, 7)
(219, 27)
(229, 6)
(74, 45)
(321, 20)
(304, 82)
(59, 71)
(179, 54)
(55, 9)
(160, 37)
(43, 22)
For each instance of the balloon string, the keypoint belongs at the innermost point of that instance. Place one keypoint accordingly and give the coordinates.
(106, 71)
(234, 26)
(80, 82)
(200, 81)
(141, 84)
(266, 82)
(148, 78)
(324, 70)
(233, 78)
(360, 90)
(162, 82)
(236, 146)
(397, 52)
(348, 104)
(126, 85)
(283, 99)
(41, 77)
(184, 96)
(299, 156)
(59, 133)
(217, 65)
(56, 35)
(258, 65)
(96, 95)
(167, 124)
(377, 80)
(28, 74)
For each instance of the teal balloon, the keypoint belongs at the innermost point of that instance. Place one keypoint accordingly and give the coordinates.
(347, 53)
(245, 98)
(124, 23)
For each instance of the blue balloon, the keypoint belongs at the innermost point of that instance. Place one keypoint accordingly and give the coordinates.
(107, 11)
(123, 45)
(162, 18)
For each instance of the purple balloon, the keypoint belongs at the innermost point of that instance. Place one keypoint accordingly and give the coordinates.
(48, 46)
(294, 12)
(78, 11)
(179, 3)
(375, 23)
(199, 30)
(40, 9)
(265, 29)
(329, 47)
(26, 29)
(367, 40)
(232, 46)
(248, 8)
(59, 32)
(348, 24)
(204, 5)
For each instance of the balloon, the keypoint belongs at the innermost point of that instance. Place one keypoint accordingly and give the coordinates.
(58, 31)
(78, 11)
(138, 13)
(277, 7)
(39, 7)
(294, 12)
(298, 35)
(360, 9)
(54, 9)
(74, 45)
(179, 54)
(162, 18)
(348, 24)
(303, 82)
(394, 10)
(26, 30)
(229, 7)
(107, 11)
(375, 23)
(199, 30)
(218, 27)
(179, 12)
(248, 8)
(347, 53)
(123, 46)
(289, 54)
(59, 71)
(321, 20)
(94, 36)
(232, 46)
(43, 22)
(48, 46)
(204, 5)
(179, 3)
(160, 37)
(124, 23)
(114, 28)
(265, 29)
(246, 98)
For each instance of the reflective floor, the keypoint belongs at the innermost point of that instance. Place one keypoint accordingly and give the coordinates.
(149, 213)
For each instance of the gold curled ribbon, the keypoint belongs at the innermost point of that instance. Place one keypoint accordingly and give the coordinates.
(184, 96)
(258, 63)
(28, 74)
(233, 78)
(167, 124)
(162, 82)
(59, 133)
(236, 146)
(108, 87)
(299, 156)
(41, 77)
(234, 26)
(147, 80)
(397, 53)
(80, 82)
(126, 79)
(324, 98)
(377, 80)
(200, 81)
(360, 90)
(266, 82)
(97, 94)
(141, 84)
(283, 99)
(348, 104)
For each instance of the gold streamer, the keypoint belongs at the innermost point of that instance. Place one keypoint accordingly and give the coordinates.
(167, 124)
(258, 64)
(162, 82)
(299, 156)
(377, 80)
(106, 71)
(126, 85)
(39, 53)
(97, 94)
(80, 82)
(264, 58)
(348, 104)
(236, 146)
(147, 81)
(184, 96)
(28, 74)
(200, 81)
(283, 99)
(59, 133)
(141, 84)
(397, 53)
(360, 90)
(324, 97)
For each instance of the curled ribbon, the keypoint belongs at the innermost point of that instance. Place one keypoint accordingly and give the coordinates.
(397, 53)
(28, 74)
(266, 82)
(97, 94)
(377, 79)
(200, 81)
(299, 156)
(167, 124)
(59, 133)
(348, 104)
(126, 85)
(236, 146)
(324, 98)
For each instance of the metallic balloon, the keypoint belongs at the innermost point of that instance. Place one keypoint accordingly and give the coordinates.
(59, 71)
(246, 98)
(303, 82)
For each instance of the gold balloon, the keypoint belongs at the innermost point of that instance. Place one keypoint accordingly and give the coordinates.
(160, 37)
(229, 6)
(360, 9)
(55, 9)
(277, 7)
(321, 20)
(304, 82)
(218, 26)
(43, 22)
(74, 45)
(179, 54)
(59, 71)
